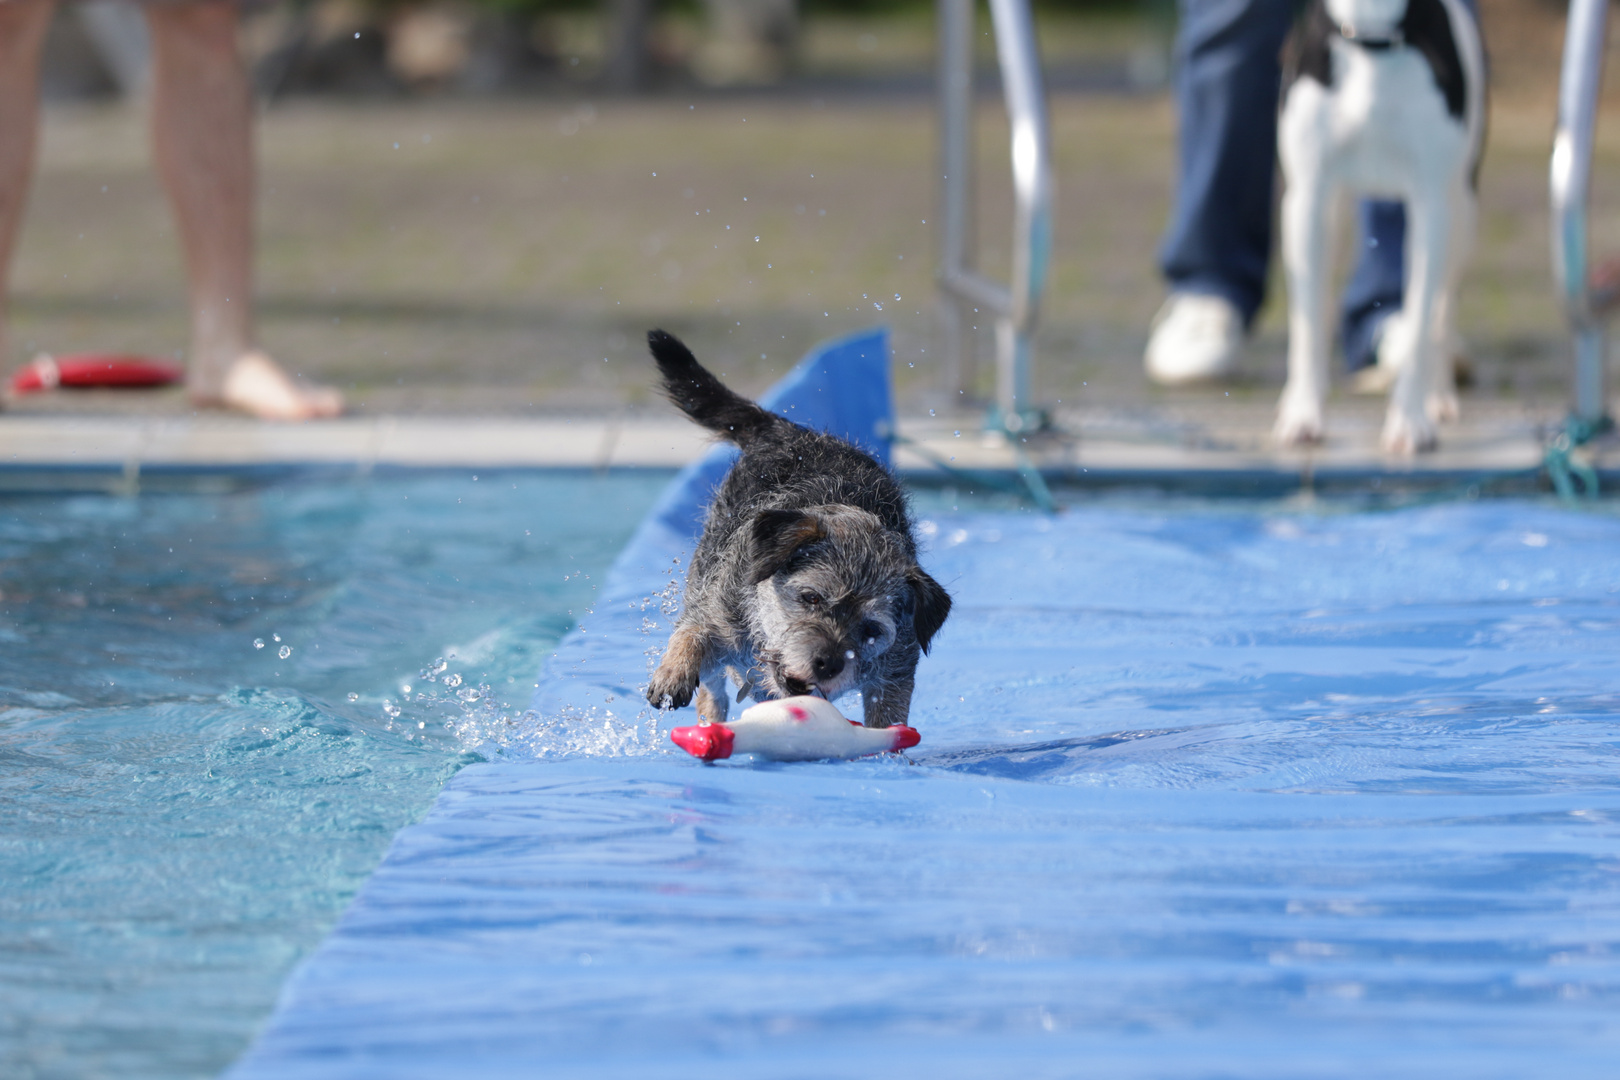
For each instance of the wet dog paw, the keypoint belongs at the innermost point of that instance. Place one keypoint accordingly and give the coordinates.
(671, 687)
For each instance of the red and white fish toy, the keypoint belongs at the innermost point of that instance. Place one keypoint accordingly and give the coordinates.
(792, 729)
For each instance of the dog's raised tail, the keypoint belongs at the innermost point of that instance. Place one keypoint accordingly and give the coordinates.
(707, 400)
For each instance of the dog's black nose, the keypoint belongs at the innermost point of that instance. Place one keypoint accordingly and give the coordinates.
(827, 665)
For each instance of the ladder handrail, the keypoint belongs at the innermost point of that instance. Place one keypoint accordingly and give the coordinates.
(1015, 306)
(1569, 183)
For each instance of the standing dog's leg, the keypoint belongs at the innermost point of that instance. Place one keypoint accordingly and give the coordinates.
(1309, 220)
(888, 702)
(712, 703)
(1407, 426)
(1441, 403)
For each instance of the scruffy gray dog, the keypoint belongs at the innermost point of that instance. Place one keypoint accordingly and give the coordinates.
(806, 578)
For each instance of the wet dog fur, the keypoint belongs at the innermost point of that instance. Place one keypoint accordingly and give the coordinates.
(806, 578)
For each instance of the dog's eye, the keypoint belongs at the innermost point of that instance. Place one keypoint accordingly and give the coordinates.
(809, 599)
(871, 631)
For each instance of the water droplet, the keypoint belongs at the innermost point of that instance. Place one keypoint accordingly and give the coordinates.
(258, 643)
(420, 724)
(930, 412)
(405, 688)
(452, 681)
(354, 697)
(275, 637)
(849, 654)
(284, 652)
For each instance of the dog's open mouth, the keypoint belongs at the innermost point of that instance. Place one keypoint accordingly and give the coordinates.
(800, 688)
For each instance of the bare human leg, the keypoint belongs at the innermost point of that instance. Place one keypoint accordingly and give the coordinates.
(22, 33)
(202, 137)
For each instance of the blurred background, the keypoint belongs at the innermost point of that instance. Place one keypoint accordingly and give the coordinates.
(480, 206)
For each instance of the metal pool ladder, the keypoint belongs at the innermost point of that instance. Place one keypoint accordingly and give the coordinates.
(1015, 307)
(1590, 294)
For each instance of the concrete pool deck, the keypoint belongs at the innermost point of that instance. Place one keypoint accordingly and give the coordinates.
(1198, 445)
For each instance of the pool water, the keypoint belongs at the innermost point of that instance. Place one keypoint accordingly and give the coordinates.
(204, 743)
(1205, 790)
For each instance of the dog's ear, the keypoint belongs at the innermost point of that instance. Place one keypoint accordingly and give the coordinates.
(932, 604)
(777, 534)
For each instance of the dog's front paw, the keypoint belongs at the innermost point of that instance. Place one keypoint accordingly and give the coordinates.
(672, 687)
(1299, 422)
(1406, 434)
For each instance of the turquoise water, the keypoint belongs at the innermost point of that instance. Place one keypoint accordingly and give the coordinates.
(184, 812)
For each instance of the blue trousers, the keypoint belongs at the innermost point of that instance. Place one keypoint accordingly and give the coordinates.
(1219, 238)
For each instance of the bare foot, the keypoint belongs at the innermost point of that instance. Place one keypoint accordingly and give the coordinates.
(258, 386)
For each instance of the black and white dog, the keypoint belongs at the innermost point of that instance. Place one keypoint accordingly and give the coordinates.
(1382, 98)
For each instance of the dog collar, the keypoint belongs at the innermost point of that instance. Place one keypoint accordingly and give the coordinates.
(1394, 40)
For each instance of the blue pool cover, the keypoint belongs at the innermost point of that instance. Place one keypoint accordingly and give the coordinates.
(1204, 791)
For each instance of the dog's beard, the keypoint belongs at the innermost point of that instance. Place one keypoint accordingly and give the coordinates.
(778, 681)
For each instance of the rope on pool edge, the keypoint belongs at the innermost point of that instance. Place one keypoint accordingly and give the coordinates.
(1030, 484)
(1563, 468)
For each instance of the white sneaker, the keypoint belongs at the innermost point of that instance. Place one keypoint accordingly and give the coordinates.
(1379, 376)
(1196, 338)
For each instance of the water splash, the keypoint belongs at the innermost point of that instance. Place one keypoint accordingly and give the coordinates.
(475, 717)
(569, 733)
(463, 707)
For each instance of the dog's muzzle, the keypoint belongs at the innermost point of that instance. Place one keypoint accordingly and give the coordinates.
(832, 671)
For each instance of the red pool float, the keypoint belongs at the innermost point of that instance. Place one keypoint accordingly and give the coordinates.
(46, 372)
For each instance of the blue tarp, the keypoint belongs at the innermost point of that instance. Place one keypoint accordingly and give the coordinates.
(1204, 791)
